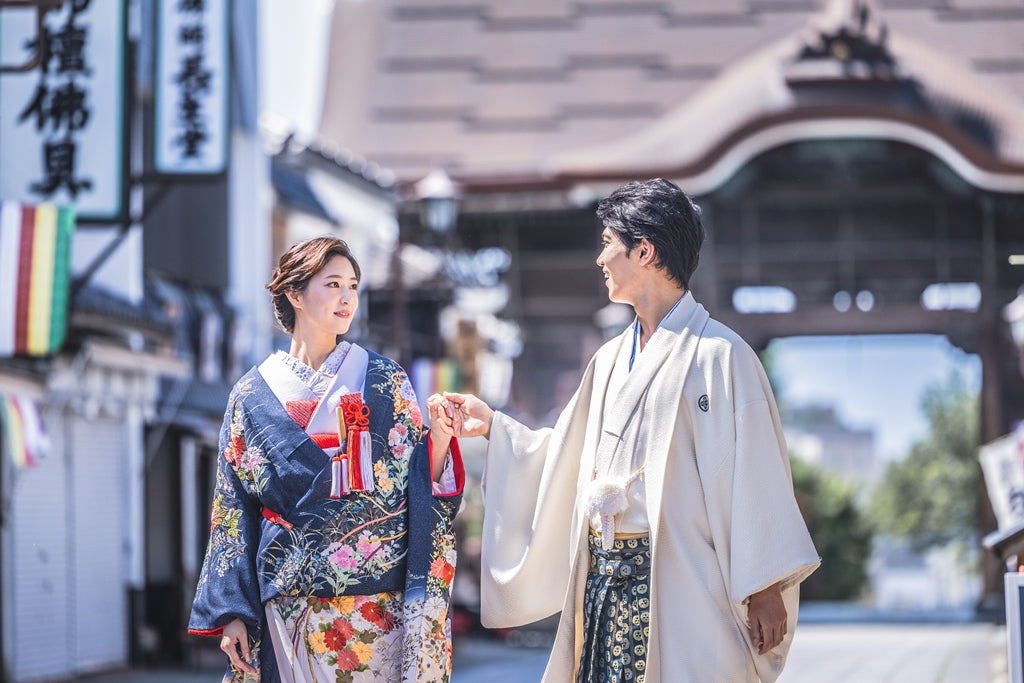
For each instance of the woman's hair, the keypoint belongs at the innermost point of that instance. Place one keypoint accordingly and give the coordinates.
(297, 267)
(659, 211)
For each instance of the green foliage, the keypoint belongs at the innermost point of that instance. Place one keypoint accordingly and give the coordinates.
(841, 533)
(931, 497)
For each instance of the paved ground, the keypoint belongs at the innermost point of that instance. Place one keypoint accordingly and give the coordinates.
(836, 653)
(852, 651)
(900, 653)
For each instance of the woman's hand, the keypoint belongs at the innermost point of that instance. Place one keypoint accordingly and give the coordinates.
(442, 428)
(235, 643)
(473, 418)
(443, 415)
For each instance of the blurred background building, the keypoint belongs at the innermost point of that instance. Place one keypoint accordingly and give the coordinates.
(860, 166)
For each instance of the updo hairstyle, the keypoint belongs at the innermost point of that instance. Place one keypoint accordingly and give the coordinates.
(297, 267)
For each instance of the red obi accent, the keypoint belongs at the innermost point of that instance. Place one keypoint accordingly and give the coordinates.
(357, 420)
(276, 518)
(326, 440)
(207, 632)
(301, 411)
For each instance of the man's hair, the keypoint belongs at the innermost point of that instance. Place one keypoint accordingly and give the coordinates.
(658, 210)
(297, 267)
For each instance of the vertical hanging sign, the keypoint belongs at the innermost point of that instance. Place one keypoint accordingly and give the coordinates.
(62, 132)
(191, 87)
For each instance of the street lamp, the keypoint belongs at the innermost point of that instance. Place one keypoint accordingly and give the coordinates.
(1013, 313)
(436, 198)
(438, 201)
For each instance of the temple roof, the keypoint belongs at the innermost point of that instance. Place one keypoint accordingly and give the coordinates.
(845, 76)
(546, 93)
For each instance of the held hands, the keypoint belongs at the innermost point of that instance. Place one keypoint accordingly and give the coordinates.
(443, 416)
(235, 643)
(441, 432)
(460, 415)
(767, 615)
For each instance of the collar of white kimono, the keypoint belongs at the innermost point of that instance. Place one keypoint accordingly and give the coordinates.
(286, 435)
(287, 386)
(665, 322)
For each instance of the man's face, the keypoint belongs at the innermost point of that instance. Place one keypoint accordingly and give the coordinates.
(620, 269)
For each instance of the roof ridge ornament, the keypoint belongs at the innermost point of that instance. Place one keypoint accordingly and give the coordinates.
(846, 41)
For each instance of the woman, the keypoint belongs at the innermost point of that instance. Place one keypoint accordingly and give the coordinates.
(331, 549)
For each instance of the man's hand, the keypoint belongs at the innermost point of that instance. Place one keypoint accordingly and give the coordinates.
(473, 415)
(767, 614)
(235, 643)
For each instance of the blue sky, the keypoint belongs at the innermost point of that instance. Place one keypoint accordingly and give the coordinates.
(874, 382)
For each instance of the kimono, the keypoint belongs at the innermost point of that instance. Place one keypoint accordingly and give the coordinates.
(723, 521)
(359, 583)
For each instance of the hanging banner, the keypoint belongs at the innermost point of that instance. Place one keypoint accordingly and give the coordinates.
(191, 109)
(24, 435)
(64, 121)
(35, 265)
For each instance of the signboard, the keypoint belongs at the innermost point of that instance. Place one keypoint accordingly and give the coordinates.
(62, 133)
(191, 105)
(1002, 463)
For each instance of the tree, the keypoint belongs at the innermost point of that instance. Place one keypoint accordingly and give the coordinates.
(841, 533)
(931, 497)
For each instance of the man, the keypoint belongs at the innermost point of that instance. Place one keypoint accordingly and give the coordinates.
(658, 514)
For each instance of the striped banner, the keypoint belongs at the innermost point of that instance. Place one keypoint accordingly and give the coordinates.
(35, 254)
(23, 433)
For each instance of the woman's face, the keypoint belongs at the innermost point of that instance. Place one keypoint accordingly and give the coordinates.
(329, 302)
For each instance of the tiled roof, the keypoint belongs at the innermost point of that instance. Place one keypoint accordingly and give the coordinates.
(491, 88)
(851, 77)
(94, 306)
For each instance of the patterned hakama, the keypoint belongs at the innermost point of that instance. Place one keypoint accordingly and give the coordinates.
(616, 611)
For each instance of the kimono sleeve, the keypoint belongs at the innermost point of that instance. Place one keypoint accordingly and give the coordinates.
(431, 560)
(769, 542)
(760, 535)
(227, 587)
(529, 496)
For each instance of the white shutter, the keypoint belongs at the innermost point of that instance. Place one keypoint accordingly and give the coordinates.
(39, 615)
(69, 613)
(98, 464)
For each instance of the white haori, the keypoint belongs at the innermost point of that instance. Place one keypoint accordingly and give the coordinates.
(719, 502)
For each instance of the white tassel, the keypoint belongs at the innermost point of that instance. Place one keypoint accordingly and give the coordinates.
(607, 498)
(366, 460)
(339, 477)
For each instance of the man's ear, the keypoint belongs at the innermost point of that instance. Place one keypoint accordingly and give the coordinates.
(646, 251)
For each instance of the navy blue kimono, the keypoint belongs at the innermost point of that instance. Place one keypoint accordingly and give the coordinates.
(276, 531)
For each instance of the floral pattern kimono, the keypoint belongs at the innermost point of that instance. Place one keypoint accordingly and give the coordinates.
(348, 588)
